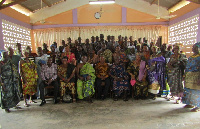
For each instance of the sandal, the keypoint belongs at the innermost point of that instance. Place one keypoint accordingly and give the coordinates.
(154, 98)
(177, 101)
(26, 105)
(116, 98)
(188, 106)
(74, 100)
(32, 101)
(196, 109)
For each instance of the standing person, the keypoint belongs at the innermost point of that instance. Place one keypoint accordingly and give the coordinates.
(86, 78)
(19, 50)
(120, 79)
(66, 73)
(192, 80)
(176, 68)
(121, 54)
(106, 53)
(102, 73)
(71, 56)
(29, 77)
(10, 95)
(156, 73)
(49, 77)
(15, 60)
(138, 73)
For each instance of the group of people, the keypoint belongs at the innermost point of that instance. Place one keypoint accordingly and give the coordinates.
(98, 68)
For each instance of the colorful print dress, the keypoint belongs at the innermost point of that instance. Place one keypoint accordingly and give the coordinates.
(30, 76)
(175, 75)
(119, 71)
(192, 84)
(86, 88)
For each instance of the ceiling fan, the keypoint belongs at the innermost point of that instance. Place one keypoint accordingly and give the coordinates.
(43, 21)
(164, 17)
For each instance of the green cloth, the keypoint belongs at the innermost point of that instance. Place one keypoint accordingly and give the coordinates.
(86, 88)
(10, 97)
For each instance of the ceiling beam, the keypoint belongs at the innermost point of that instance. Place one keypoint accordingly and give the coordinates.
(2, 2)
(56, 9)
(145, 7)
(11, 4)
(195, 1)
(47, 3)
(153, 1)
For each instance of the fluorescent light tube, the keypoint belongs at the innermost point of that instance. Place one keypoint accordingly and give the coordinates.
(101, 2)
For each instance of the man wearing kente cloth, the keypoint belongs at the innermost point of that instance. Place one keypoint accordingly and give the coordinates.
(86, 78)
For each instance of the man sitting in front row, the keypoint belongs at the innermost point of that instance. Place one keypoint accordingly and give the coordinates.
(49, 77)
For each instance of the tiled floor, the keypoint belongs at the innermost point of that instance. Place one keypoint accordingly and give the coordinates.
(108, 114)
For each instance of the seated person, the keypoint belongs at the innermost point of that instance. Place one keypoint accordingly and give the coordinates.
(120, 79)
(138, 73)
(66, 73)
(106, 53)
(49, 77)
(71, 56)
(102, 73)
(86, 78)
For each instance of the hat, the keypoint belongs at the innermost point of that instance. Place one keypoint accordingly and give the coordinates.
(41, 62)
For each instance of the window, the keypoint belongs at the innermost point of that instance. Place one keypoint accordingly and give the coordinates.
(184, 33)
(13, 33)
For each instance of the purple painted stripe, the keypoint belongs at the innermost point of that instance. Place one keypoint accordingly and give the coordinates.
(198, 32)
(124, 14)
(99, 24)
(75, 16)
(1, 36)
(185, 16)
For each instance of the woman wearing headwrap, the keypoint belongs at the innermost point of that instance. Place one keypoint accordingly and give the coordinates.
(138, 73)
(9, 86)
(70, 55)
(192, 80)
(29, 77)
(176, 67)
(156, 73)
(66, 73)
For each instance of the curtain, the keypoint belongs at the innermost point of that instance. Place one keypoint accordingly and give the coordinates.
(50, 35)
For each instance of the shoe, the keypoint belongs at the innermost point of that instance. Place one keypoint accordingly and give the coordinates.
(154, 98)
(116, 98)
(125, 99)
(188, 106)
(102, 97)
(90, 100)
(7, 110)
(196, 109)
(55, 101)
(177, 101)
(42, 103)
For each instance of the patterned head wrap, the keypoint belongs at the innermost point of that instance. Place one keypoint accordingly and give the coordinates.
(1, 54)
(198, 45)
(41, 62)
(26, 50)
(53, 45)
